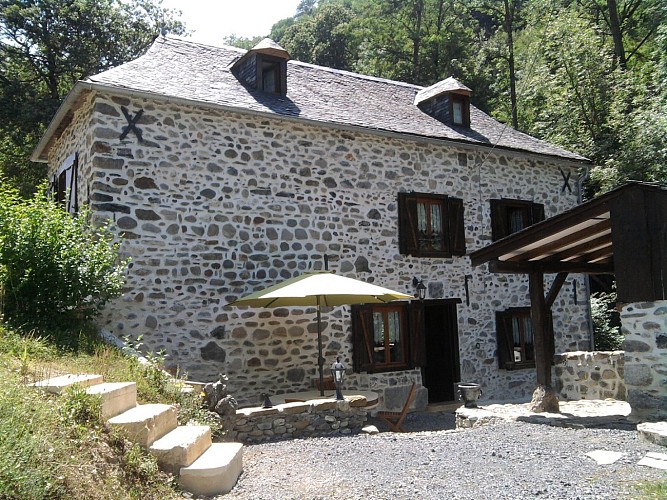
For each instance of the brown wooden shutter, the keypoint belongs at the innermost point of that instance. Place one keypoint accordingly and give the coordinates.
(407, 224)
(417, 334)
(457, 233)
(498, 220)
(504, 337)
(362, 338)
(537, 213)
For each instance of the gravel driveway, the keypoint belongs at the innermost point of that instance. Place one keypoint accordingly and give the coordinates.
(507, 460)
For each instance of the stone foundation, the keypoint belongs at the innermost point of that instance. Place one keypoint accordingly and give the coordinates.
(298, 420)
(590, 375)
(645, 328)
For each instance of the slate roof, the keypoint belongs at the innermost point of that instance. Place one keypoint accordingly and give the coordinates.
(178, 68)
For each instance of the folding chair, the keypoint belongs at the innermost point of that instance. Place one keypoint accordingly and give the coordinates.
(395, 418)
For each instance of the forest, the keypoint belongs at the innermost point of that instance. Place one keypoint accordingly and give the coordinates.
(588, 75)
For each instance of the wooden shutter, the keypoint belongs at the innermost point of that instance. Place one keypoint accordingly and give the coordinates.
(457, 233)
(499, 222)
(407, 224)
(504, 338)
(362, 338)
(537, 213)
(417, 334)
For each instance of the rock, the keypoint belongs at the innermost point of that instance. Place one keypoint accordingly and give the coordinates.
(544, 400)
(653, 432)
(370, 429)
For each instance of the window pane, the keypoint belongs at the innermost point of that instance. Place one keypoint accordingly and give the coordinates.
(269, 79)
(394, 336)
(528, 338)
(457, 109)
(429, 226)
(378, 337)
(517, 219)
(516, 335)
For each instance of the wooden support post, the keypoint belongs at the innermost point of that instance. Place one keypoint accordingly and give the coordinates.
(544, 397)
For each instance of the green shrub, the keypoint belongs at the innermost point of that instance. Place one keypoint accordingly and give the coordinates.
(607, 331)
(55, 269)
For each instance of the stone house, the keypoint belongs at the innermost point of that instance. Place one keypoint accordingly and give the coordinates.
(226, 171)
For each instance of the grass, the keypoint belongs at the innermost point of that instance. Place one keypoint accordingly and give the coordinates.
(57, 446)
(656, 490)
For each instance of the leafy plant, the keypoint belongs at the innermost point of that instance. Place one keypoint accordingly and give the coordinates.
(607, 334)
(55, 269)
(78, 408)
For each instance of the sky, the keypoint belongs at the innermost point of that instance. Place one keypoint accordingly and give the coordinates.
(212, 20)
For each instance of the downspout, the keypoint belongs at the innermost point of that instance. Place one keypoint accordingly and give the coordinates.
(587, 287)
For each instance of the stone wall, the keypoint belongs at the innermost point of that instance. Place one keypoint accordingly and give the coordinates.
(644, 326)
(298, 420)
(213, 205)
(590, 375)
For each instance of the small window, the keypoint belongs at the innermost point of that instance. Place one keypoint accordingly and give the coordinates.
(271, 75)
(388, 337)
(514, 331)
(509, 216)
(64, 186)
(460, 110)
(457, 112)
(430, 225)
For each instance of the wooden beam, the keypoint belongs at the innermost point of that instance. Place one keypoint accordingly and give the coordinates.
(539, 318)
(555, 288)
(499, 266)
(581, 248)
(554, 246)
(604, 252)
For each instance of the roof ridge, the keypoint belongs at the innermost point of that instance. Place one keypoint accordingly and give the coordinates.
(179, 38)
(301, 63)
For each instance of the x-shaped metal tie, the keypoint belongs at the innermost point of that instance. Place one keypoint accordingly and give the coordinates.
(131, 123)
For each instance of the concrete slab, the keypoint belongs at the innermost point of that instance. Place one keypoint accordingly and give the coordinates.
(655, 460)
(604, 457)
(215, 472)
(653, 432)
(117, 397)
(144, 424)
(181, 447)
(58, 384)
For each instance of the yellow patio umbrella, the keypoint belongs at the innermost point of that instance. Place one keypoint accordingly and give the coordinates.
(320, 288)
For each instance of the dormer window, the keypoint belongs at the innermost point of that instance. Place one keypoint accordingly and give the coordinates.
(447, 101)
(264, 67)
(271, 72)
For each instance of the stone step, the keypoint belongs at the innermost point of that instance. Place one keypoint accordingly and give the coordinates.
(215, 472)
(144, 424)
(117, 397)
(653, 432)
(56, 385)
(181, 447)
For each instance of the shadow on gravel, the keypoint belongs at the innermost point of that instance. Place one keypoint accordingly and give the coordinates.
(420, 422)
(616, 422)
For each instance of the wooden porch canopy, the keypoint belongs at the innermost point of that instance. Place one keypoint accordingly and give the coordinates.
(622, 232)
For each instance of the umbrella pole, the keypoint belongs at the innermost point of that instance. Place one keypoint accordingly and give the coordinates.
(320, 359)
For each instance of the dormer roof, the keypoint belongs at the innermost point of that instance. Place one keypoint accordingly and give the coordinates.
(271, 48)
(449, 85)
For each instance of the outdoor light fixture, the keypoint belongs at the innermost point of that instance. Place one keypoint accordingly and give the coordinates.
(421, 288)
(338, 373)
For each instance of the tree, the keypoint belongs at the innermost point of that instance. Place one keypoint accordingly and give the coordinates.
(47, 45)
(320, 35)
(55, 269)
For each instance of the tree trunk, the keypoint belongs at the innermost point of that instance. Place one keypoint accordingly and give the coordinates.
(509, 27)
(616, 33)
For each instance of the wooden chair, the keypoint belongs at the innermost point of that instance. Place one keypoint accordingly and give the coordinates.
(395, 418)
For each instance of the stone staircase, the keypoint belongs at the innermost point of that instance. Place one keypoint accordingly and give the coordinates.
(204, 468)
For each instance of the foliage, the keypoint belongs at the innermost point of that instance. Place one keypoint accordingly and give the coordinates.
(46, 46)
(654, 490)
(80, 409)
(606, 322)
(55, 269)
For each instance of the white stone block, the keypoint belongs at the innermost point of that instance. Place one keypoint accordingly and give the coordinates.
(144, 424)
(215, 472)
(58, 384)
(181, 447)
(117, 397)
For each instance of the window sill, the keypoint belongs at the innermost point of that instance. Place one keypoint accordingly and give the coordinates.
(519, 366)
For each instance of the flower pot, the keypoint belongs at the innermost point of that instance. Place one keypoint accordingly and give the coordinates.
(469, 394)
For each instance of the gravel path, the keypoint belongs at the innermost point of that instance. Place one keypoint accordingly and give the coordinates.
(511, 460)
